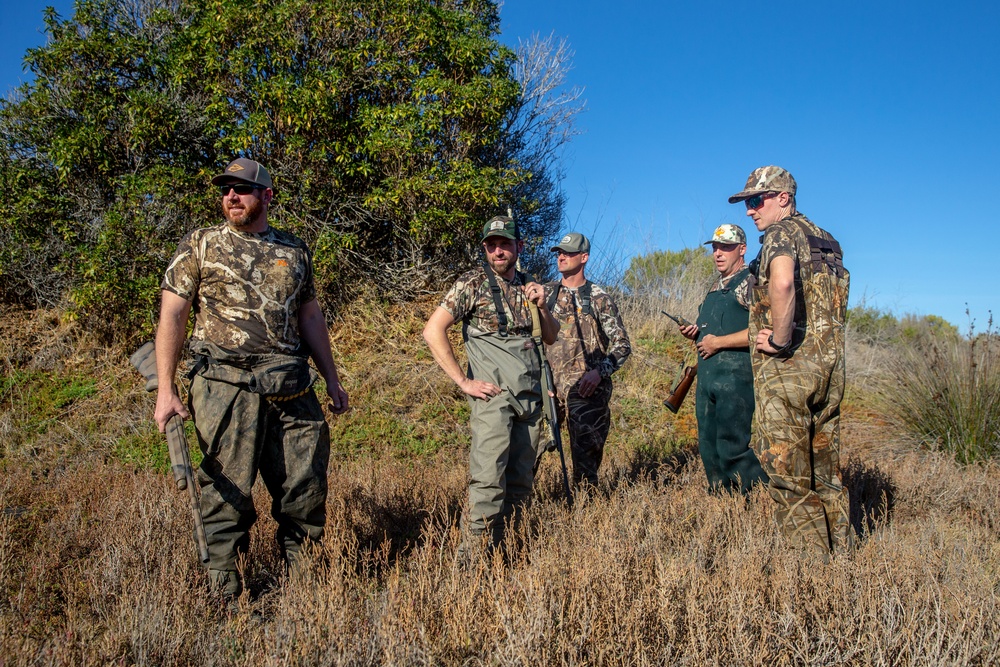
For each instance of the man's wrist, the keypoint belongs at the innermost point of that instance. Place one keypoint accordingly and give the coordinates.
(778, 348)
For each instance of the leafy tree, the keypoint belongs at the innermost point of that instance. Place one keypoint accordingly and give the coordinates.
(386, 125)
(670, 272)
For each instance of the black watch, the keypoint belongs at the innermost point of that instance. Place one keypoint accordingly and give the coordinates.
(779, 349)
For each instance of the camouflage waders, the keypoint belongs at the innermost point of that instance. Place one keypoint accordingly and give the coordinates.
(588, 423)
(504, 431)
(798, 394)
(241, 433)
(724, 400)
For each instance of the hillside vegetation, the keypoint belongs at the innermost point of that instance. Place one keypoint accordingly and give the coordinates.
(97, 564)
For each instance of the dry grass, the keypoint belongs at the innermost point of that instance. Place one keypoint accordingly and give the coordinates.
(97, 567)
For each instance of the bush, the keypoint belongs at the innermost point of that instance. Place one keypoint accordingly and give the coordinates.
(945, 390)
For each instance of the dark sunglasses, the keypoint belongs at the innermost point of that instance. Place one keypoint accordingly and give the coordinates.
(239, 188)
(757, 201)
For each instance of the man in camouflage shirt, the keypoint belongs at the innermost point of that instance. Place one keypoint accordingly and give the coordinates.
(503, 381)
(592, 344)
(724, 401)
(256, 320)
(797, 313)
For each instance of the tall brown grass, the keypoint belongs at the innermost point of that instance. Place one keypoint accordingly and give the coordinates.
(97, 565)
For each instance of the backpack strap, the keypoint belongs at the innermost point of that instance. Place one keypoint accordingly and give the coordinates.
(497, 300)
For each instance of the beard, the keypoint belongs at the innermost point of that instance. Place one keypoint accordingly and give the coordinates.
(242, 214)
(502, 266)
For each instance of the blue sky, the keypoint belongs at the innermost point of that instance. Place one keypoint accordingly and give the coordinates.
(886, 113)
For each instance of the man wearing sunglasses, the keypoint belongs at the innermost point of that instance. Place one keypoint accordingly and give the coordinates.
(592, 344)
(724, 400)
(256, 322)
(797, 310)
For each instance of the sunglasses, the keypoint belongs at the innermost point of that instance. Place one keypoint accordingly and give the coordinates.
(757, 201)
(239, 188)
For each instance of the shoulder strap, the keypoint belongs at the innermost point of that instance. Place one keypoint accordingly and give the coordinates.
(497, 300)
(738, 279)
(584, 293)
(556, 286)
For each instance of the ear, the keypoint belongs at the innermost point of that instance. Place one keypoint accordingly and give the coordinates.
(267, 195)
(584, 256)
(743, 249)
(520, 247)
(783, 199)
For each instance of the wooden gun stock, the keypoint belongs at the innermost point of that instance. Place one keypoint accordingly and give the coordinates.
(677, 394)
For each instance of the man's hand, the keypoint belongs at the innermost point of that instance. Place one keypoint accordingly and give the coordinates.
(535, 293)
(762, 344)
(690, 331)
(708, 345)
(480, 389)
(168, 404)
(338, 398)
(588, 383)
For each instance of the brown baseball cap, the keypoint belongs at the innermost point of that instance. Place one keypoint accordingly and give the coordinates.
(765, 179)
(242, 170)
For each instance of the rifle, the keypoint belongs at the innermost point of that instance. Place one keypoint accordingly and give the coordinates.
(548, 398)
(680, 390)
(144, 360)
(681, 322)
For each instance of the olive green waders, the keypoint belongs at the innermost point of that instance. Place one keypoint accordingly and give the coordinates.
(724, 399)
(242, 433)
(504, 431)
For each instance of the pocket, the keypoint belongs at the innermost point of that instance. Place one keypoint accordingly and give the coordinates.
(287, 376)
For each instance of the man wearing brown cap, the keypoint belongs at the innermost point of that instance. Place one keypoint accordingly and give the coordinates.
(256, 322)
(592, 344)
(502, 382)
(797, 312)
(724, 401)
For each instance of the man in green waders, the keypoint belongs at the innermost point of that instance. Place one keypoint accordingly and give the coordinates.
(502, 383)
(724, 400)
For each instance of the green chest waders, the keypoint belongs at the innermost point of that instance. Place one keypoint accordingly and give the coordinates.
(725, 402)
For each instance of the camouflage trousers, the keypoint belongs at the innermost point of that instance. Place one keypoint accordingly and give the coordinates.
(588, 421)
(798, 444)
(501, 461)
(241, 434)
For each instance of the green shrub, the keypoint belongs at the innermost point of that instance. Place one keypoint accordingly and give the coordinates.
(945, 390)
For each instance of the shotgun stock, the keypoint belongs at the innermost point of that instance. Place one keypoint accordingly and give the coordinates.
(144, 360)
(677, 394)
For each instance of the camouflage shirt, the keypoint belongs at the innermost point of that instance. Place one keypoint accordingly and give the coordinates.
(585, 342)
(246, 288)
(471, 301)
(821, 284)
(742, 291)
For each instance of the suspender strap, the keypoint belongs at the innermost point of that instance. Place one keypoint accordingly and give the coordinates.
(584, 294)
(497, 300)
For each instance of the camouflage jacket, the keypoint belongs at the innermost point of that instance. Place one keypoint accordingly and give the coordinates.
(470, 301)
(585, 342)
(822, 285)
(246, 288)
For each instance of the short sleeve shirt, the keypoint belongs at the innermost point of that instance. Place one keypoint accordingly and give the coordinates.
(470, 300)
(246, 288)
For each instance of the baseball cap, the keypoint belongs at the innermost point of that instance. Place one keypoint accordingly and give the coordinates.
(573, 242)
(242, 170)
(728, 234)
(765, 179)
(501, 225)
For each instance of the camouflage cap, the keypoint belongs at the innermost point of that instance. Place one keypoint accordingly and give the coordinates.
(728, 234)
(573, 242)
(501, 225)
(242, 170)
(765, 179)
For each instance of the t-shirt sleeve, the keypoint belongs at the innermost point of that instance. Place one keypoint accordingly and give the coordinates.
(182, 275)
(779, 242)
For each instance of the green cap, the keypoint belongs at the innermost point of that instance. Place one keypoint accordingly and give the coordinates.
(501, 225)
(573, 242)
(242, 170)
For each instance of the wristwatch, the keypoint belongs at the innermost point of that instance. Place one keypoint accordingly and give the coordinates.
(779, 349)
